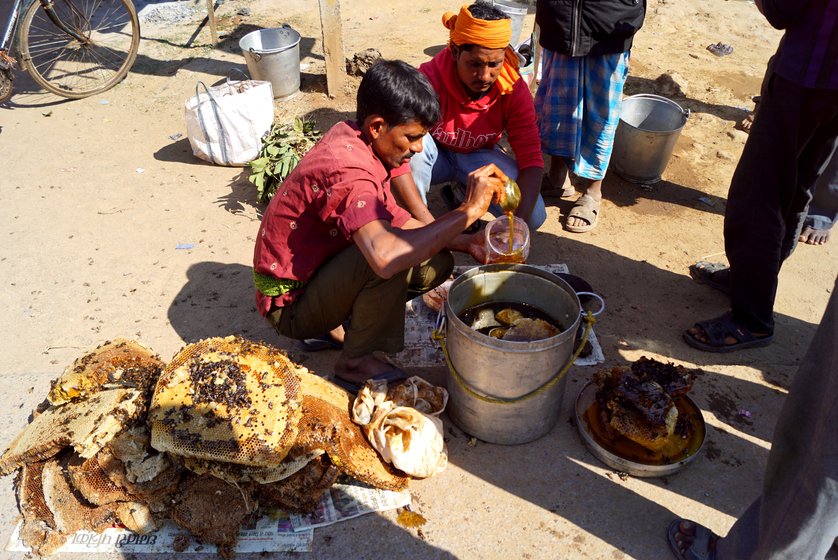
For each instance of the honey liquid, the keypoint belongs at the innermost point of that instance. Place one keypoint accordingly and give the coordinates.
(512, 255)
(677, 449)
(511, 217)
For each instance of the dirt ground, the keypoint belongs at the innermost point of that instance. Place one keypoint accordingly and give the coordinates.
(100, 196)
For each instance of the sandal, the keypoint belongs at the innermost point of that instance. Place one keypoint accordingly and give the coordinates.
(318, 343)
(717, 330)
(715, 275)
(702, 546)
(586, 208)
(549, 191)
(720, 49)
(394, 375)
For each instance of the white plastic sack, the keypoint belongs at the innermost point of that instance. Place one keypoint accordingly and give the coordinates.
(225, 124)
(401, 425)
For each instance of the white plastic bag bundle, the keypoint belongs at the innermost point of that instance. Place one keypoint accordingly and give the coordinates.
(225, 124)
(401, 424)
(409, 439)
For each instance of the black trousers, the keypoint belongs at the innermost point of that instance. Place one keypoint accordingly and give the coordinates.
(792, 137)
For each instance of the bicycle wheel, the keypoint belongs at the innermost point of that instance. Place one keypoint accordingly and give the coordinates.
(108, 36)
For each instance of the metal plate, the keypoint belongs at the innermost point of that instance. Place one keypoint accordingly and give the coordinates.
(634, 466)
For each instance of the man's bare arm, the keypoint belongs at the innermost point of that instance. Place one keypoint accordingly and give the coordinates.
(529, 181)
(390, 250)
(407, 195)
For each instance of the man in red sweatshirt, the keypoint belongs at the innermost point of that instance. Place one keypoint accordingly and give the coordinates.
(481, 95)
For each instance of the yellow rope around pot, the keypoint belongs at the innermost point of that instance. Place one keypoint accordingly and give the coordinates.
(439, 337)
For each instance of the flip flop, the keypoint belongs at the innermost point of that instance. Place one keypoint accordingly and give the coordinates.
(720, 49)
(586, 208)
(700, 547)
(549, 191)
(394, 374)
(318, 343)
(705, 272)
(718, 329)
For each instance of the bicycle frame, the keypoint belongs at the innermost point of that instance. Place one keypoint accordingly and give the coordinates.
(48, 8)
(8, 32)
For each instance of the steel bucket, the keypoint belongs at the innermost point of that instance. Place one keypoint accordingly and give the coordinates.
(491, 381)
(273, 55)
(516, 12)
(646, 134)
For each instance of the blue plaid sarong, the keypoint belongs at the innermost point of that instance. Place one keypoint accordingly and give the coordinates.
(578, 108)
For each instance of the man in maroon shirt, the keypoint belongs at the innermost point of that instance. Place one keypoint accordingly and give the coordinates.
(334, 245)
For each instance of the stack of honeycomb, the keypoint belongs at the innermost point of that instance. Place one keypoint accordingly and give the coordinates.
(226, 426)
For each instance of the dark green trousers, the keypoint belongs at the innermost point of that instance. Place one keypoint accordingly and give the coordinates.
(346, 287)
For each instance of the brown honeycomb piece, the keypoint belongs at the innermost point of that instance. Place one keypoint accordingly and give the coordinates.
(301, 491)
(87, 425)
(326, 424)
(213, 510)
(117, 363)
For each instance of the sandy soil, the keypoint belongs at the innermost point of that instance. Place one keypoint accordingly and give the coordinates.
(100, 193)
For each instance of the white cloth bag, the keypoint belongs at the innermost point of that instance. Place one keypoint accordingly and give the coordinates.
(225, 124)
(401, 424)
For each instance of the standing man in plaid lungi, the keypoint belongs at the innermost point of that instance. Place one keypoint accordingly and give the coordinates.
(586, 53)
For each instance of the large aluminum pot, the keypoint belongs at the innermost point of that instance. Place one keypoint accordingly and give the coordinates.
(492, 380)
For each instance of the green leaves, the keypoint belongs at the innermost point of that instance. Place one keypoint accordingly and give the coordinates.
(282, 149)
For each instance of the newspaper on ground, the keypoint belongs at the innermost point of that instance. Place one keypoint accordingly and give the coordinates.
(277, 531)
(421, 351)
(346, 501)
(265, 535)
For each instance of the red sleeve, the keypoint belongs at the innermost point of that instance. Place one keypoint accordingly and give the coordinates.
(403, 169)
(400, 215)
(363, 203)
(521, 127)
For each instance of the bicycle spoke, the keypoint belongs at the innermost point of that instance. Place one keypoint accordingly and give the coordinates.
(105, 35)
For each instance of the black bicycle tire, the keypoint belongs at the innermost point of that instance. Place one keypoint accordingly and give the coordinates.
(43, 81)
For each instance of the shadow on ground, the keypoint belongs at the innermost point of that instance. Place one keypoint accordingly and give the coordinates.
(636, 84)
(217, 300)
(647, 310)
(649, 198)
(189, 56)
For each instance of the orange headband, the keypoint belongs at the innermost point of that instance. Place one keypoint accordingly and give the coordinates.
(466, 29)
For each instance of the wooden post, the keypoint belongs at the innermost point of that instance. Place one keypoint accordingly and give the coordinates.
(211, 17)
(333, 46)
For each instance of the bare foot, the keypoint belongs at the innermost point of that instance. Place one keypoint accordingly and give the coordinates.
(358, 370)
(745, 124)
(338, 334)
(812, 236)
